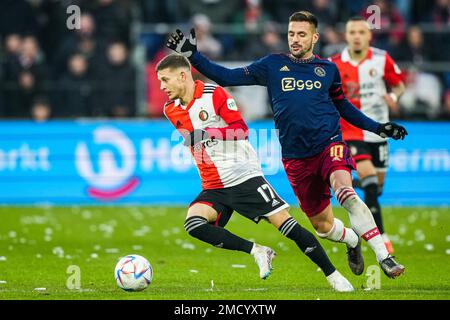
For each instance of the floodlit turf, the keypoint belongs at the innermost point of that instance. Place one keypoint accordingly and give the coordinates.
(37, 245)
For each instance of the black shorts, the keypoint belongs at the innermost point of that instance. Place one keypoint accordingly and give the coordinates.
(255, 199)
(377, 152)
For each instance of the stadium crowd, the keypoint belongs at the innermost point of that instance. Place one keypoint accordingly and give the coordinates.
(49, 71)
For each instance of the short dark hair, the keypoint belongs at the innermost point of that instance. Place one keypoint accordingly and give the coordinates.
(356, 18)
(306, 16)
(173, 61)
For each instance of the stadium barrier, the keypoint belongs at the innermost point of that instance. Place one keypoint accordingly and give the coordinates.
(143, 162)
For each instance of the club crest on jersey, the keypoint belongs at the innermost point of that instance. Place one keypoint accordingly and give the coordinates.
(320, 71)
(373, 72)
(203, 115)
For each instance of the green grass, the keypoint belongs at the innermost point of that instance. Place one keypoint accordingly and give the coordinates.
(37, 245)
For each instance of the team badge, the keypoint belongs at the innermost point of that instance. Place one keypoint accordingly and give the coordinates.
(320, 71)
(203, 115)
(373, 72)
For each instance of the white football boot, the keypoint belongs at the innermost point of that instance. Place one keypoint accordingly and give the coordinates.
(263, 257)
(339, 282)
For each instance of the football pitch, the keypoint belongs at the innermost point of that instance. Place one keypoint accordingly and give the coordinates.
(46, 252)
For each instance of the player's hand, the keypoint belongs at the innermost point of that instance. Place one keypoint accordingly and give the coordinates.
(182, 45)
(392, 130)
(196, 136)
(392, 102)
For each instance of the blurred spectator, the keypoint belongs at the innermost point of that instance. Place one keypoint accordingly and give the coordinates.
(219, 11)
(414, 48)
(206, 43)
(82, 41)
(440, 18)
(16, 16)
(440, 14)
(280, 11)
(115, 84)
(73, 96)
(160, 11)
(249, 22)
(333, 42)
(13, 43)
(422, 97)
(25, 76)
(392, 26)
(113, 21)
(270, 41)
(41, 110)
(325, 11)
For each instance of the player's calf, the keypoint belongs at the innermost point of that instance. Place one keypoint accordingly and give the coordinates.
(362, 220)
(198, 227)
(339, 233)
(308, 244)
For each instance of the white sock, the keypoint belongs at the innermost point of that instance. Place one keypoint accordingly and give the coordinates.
(252, 252)
(362, 220)
(339, 233)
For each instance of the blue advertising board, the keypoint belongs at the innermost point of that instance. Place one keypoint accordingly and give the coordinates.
(143, 162)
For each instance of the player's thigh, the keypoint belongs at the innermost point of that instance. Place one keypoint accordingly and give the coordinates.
(256, 199)
(365, 168)
(212, 205)
(363, 155)
(202, 210)
(381, 177)
(312, 191)
(380, 161)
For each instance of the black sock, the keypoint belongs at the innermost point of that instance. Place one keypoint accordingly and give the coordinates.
(308, 244)
(199, 228)
(370, 187)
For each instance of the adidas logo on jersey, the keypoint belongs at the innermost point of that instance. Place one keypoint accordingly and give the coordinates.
(285, 68)
(275, 202)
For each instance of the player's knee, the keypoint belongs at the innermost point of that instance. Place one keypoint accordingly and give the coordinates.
(331, 230)
(279, 218)
(193, 225)
(323, 228)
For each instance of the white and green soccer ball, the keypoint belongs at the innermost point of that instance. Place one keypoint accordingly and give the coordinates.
(133, 273)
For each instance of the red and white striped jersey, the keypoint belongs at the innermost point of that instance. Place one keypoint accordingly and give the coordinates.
(364, 84)
(221, 163)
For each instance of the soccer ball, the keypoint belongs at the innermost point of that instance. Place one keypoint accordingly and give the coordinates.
(133, 273)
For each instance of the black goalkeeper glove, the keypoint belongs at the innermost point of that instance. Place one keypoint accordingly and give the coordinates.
(182, 45)
(195, 137)
(392, 130)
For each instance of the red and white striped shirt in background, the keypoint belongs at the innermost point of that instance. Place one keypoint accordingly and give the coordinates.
(364, 84)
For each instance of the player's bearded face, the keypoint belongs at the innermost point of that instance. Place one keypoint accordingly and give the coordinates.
(301, 38)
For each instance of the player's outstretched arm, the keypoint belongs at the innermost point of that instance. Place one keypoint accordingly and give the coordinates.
(225, 77)
(354, 116)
